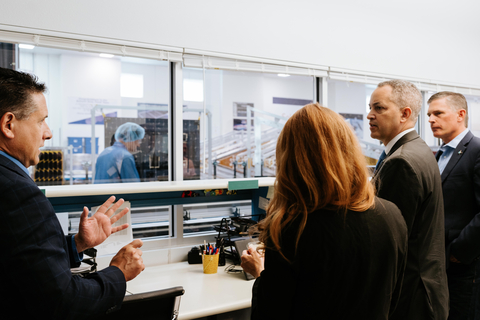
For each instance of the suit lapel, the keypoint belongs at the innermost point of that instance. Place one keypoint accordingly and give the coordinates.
(457, 154)
(412, 135)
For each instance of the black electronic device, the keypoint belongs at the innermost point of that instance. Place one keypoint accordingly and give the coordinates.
(241, 245)
(195, 256)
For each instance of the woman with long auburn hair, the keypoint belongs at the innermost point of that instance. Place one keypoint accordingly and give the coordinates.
(332, 249)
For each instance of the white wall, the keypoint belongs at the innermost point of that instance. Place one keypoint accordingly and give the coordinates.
(87, 77)
(47, 68)
(156, 88)
(416, 38)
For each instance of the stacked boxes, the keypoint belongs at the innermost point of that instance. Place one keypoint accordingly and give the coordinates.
(49, 170)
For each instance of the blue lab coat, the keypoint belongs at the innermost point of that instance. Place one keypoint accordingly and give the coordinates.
(116, 164)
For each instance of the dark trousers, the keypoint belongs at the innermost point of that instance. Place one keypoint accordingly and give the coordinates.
(463, 286)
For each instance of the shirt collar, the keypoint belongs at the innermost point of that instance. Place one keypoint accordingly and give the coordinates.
(392, 142)
(18, 163)
(119, 144)
(455, 141)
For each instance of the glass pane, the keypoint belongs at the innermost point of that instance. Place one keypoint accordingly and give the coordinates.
(200, 219)
(430, 140)
(147, 222)
(8, 55)
(351, 100)
(244, 111)
(119, 90)
(474, 114)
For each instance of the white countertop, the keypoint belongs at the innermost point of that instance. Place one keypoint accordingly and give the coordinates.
(205, 294)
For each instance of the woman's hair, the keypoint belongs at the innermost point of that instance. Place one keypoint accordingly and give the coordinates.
(319, 165)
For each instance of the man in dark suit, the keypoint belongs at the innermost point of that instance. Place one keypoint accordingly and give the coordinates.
(36, 257)
(409, 177)
(459, 164)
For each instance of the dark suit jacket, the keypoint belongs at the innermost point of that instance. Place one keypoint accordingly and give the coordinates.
(35, 264)
(347, 266)
(461, 196)
(409, 177)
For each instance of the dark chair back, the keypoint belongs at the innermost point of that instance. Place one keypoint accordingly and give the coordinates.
(159, 305)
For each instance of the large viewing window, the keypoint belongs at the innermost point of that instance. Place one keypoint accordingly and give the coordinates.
(235, 112)
(119, 90)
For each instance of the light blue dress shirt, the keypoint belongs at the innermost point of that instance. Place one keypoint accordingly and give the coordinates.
(448, 150)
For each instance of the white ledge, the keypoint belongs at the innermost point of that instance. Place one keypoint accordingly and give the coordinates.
(145, 187)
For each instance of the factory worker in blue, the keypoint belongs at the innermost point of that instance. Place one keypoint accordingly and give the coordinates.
(116, 163)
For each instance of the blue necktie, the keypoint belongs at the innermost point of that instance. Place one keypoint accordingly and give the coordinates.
(444, 155)
(380, 160)
(440, 151)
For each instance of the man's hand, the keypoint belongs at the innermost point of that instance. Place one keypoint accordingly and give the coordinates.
(252, 262)
(96, 229)
(129, 260)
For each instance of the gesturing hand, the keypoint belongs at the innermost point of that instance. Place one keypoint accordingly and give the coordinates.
(252, 262)
(129, 260)
(96, 229)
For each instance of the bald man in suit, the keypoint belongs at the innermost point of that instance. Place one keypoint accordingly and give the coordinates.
(408, 176)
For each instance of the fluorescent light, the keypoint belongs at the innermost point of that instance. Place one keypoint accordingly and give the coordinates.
(131, 85)
(106, 55)
(193, 90)
(283, 75)
(26, 46)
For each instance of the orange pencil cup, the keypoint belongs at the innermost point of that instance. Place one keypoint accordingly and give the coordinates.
(210, 263)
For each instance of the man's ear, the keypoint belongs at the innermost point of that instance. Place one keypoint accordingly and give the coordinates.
(461, 115)
(406, 114)
(7, 124)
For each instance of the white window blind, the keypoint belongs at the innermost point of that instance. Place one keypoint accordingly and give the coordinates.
(174, 55)
(422, 84)
(230, 62)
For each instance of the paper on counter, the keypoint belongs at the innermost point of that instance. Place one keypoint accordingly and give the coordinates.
(263, 203)
(119, 239)
(270, 192)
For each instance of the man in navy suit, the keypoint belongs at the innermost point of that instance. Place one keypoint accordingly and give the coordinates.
(36, 256)
(409, 177)
(459, 164)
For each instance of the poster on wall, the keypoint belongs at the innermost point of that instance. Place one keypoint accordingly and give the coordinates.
(240, 116)
(240, 109)
(79, 110)
(356, 121)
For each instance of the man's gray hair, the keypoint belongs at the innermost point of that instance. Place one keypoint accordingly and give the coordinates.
(456, 101)
(405, 94)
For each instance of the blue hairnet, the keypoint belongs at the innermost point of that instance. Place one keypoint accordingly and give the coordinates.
(129, 131)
